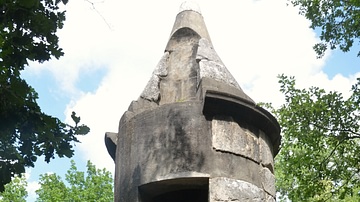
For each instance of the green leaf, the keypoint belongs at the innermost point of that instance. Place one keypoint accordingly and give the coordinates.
(94, 185)
(75, 118)
(338, 21)
(82, 130)
(28, 33)
(318, 160)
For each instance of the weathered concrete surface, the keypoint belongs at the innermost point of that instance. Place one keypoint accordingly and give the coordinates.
(268, 181)
(152, 89)
(229, 136)
(193, 134)
(266, 152)
(226, 189)
(211, 65)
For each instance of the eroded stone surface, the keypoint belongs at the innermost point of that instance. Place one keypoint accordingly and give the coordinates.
(266, 153)
(152, 91)
(225, 190)
(211, 65)
(207, 52)
(228, 136)
(141, 105)
(268, 182)
(269, 198)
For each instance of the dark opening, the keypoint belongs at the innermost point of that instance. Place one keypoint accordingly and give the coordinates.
(176, 190)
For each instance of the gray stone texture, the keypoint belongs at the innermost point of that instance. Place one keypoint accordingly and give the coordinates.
(229, 136)
(193, 133)
(266, 152)
(269, 198)
(152, 91)
(226, 189)
(268, 181)
(211, 66)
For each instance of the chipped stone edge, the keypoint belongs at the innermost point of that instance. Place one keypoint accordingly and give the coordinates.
(152, 90)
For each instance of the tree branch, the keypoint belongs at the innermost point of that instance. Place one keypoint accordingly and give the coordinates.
(344, 184)
(102, 17)
(356, 134)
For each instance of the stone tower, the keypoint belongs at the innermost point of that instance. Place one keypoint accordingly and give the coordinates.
(193, 135)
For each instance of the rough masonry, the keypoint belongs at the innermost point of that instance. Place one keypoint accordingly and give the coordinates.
(193, 134)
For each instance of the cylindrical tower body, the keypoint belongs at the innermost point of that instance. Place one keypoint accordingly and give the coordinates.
(193, 134)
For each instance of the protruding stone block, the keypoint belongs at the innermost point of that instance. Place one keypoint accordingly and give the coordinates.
(229, 136)
(226, 189)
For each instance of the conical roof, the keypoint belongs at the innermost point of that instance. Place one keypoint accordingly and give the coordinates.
(190, 59)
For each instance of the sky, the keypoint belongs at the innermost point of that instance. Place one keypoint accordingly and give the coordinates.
(112, 46)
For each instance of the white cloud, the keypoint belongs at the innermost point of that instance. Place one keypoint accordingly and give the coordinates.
(32, 186)
(257, 40)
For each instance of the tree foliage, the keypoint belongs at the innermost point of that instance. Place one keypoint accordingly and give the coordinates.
(15, 191)
(28, 33)
(339, 21)
(95, 185)
(319, 158)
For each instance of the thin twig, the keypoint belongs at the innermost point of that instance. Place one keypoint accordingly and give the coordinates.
(102, 17)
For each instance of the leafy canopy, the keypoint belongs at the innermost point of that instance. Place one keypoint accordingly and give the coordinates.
(28, 33)
(319, 158)
(95, 185)
(338, 20)
(15, 191)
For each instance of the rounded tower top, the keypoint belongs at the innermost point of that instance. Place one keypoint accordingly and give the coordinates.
(190, 6)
